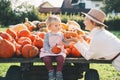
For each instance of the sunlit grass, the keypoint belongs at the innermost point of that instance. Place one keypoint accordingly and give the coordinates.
(3, 29)
(4, 67)
(106, 71)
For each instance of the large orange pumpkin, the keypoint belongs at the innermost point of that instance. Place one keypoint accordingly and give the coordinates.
(75, 52)
(24, 40)
(7, 49)
(68, 51)
(18, 27)
(38, 42)
(6, 36)
(11, 32)
(18, 49)
(71, 45)
(29, 51)
(29, 25)
(32, 37)
(56, 49)
(23, 33)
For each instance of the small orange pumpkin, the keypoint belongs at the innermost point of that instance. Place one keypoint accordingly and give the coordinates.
(80, 32)
(41, 34)
(56, 49)
(29, 51)
(64, 26)
(29, 24)
(87, 39)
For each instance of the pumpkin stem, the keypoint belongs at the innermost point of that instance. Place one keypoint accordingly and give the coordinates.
(26, 20)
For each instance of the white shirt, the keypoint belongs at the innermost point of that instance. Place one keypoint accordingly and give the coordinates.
(103, 45)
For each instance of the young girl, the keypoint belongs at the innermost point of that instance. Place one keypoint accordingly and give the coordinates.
(52, 38)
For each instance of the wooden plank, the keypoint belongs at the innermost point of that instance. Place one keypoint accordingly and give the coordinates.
(83, 60)
(68, 60)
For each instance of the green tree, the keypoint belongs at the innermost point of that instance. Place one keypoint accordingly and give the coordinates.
(12, 14)
(24, 10)
(111, 5)
(6, 13)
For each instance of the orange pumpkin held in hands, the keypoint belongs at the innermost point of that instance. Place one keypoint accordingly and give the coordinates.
(69, 34)
(56, 49)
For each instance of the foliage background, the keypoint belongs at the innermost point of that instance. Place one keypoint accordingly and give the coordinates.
(12, 17)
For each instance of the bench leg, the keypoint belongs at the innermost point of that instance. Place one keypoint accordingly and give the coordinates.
(74, 71)
(92, 74)
(14, 73)
(26, 66)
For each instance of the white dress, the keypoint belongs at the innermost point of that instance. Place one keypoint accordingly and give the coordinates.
(52, 40)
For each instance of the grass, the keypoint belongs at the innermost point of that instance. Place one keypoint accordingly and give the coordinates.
(4, 67)
(106, 71)
(3, 29)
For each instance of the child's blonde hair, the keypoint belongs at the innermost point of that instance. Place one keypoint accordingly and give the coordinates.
(52, 19)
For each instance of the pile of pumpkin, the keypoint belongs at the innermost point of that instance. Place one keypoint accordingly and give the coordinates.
(71, 50)
(21, 40)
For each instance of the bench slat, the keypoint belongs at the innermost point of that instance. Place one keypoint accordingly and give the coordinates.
(68, 60)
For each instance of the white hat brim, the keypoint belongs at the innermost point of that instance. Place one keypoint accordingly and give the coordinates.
(93, 19)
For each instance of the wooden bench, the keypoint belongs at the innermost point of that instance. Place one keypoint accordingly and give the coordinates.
(72, 70)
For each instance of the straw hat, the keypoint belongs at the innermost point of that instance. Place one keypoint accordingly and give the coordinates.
(97, 16)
